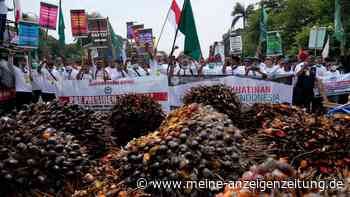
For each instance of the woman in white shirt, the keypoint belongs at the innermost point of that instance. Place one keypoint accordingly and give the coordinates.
(24, 94)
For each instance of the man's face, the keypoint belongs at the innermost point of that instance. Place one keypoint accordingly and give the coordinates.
(268, 62)
(318, 61)
(308, 60)
(247, 63)
(99, 64)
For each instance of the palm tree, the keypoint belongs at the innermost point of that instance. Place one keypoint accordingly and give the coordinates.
(239, 11)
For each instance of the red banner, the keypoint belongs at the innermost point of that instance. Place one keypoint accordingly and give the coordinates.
(6, 94)
(48, 15)
(79, 23)
(136, 29)
(98, 25)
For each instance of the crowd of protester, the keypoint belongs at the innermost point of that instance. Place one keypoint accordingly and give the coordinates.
(39, 80)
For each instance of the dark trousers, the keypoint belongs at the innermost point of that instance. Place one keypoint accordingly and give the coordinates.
(3, 18)
(47, 97)
(303, 97)
(23, 98)
(36, 95)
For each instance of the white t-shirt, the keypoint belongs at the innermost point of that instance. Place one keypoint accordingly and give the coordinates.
(67, 73)
(186, 70)
(155, 69)
(240, 70)
(321, 71)
(37, 82)
(101, 74)
(50, 80)
(281, 71)
(269, 71)
(113, 73)
(332, 73)
(23, 83)
(87, 76)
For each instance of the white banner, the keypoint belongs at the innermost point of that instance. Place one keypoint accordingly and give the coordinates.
(250, 91)
(102, 95)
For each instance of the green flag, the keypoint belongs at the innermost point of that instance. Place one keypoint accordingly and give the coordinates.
(339, 30)
(263, 24)
(61, 27)
(188, 27)
(117, 41)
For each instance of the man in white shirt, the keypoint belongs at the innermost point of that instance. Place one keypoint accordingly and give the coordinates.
(116, 70)
(66, 71)
(24, 92)
(85, 73)
(37, 82)
(186, 67)
(231, 63)
(249, 69)
(100, 72)
(269, 68)
(50, 79)
(321, 70)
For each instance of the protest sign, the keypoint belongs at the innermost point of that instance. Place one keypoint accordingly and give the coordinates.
(129, 32)
(336, 85)
(135, 32)
(48, 16)
(145, 38)
(317, 38)
(102, 95)
(274, 44)
(98, 28)
(28, 35)
(236, 45)
(79, 23)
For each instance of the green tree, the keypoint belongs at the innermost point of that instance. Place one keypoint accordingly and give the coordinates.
(240, 12)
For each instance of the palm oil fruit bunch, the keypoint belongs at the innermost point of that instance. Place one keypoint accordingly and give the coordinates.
(221, 97)
(87, 126)
(38, 160)
(270, 174)
(194, 143)
(134, 116)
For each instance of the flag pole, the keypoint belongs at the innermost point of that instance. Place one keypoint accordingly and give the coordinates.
(161, 32)
(173, 47)
(172, 52)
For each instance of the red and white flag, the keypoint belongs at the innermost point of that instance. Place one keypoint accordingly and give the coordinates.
(18, 11)
(175, 12)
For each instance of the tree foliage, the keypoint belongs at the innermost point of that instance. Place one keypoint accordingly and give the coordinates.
(294, 19)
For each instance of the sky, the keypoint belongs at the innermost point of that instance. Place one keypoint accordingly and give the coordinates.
(213, 17)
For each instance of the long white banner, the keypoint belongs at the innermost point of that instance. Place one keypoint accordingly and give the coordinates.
(250, 91)
(102, 95)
